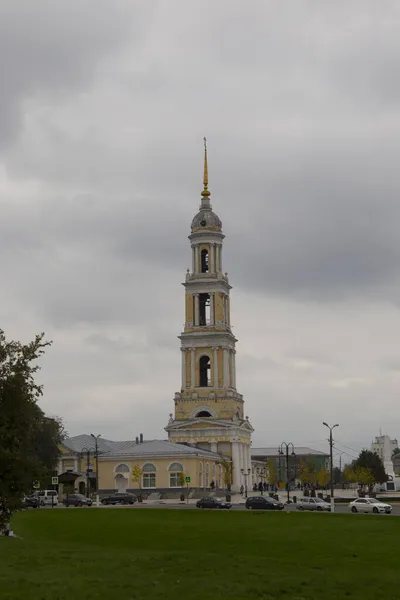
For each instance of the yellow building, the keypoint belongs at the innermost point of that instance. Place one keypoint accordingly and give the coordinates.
(208, 433)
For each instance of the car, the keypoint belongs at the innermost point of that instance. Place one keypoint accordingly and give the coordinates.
(212, 502)
(370, 505)
(49, 497)
(76, 500)
(313, 504)
(30, 502)
(263, 503)
(119, 498)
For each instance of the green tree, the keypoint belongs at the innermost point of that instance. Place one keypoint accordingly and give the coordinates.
(323, 476)
(22, 424)
(396, 451)
(308, 471)
(369, 468)
(227, 472)
(137, 474)
(272, 472)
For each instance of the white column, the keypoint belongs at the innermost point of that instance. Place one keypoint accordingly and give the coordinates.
(183, 350)
(220, 257)
(242, 465)
(226, 368)
(76, 465)
(212, 296)
(192, 368)
(214, 447)
(196, 259)
(196, 309)
(217, 269)
(234, 369)
(215, 363)
(193, 259)
(60, 467)
(236, 467)
(212, 258)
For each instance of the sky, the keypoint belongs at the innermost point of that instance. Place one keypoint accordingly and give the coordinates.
(104, 106)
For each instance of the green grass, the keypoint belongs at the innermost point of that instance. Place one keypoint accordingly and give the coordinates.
(193, 555)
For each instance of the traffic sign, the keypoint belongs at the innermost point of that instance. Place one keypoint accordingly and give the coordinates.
(54, 481)
(36, 485)
(187, 479)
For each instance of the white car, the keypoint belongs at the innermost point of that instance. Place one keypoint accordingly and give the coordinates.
(370, 505)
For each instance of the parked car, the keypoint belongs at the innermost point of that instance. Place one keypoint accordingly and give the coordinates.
(49, 497)
(263, 503)
(119, 498)
(313, 504)
(30, 502)
(76, 500)
(370, 505)
(212, 502)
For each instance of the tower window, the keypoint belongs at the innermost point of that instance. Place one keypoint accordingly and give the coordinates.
(204, 261)
(205, 309)
(203, 413)
(205, 367)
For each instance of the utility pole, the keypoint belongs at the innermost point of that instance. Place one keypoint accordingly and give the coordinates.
(331, 460)
(280, 450)
(96, 439)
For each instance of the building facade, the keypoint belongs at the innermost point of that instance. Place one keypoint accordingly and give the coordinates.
(209, 411)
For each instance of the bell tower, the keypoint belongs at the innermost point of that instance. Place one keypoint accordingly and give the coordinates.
(209, 412)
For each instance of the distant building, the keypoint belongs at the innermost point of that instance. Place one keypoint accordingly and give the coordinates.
(384, 448)
(261, 456)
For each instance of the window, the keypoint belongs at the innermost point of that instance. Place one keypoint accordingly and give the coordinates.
(205, 309)
(122, 469)
(205, 369)
(203, 413)
(149, 476)
(175, 475)
(204, 261)
(207, 475)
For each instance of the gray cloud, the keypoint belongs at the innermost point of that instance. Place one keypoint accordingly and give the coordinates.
(104, 107)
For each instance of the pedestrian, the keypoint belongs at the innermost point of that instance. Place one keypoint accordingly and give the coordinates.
(241, 489)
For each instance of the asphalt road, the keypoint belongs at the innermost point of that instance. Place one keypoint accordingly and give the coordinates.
(340, 508)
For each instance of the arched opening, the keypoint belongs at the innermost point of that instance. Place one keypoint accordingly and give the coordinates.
(149, 475)
(122, 469)
(82, 487)
(205, 369)
(176, 478)
(204, 261)
(121, 482)
(205, 309)
(203, 413)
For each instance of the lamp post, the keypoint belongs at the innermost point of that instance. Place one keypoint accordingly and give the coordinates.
(87, 451)
(245, 475)
(287, 446)
(331, 459)
(96, 440)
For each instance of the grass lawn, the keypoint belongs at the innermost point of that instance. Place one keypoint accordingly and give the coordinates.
(193, 555)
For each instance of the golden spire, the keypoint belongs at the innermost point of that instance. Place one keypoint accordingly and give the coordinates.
(205, 193)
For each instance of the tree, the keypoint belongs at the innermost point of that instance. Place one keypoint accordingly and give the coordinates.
(137, 474)
(22, 424)
(369, 468)
(272, 472)
(227, 472)
(396, 451)
(323, 476)
(308, 471)
(182, 479)
(337, 475)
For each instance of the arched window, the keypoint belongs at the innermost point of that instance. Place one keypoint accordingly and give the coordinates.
(175, 475)
(122, 469)
(204, 261)
(201, 475)
(149, 475)
(207, 475)
(205, 367)
(121, 482)
(204, 309)
(203, 413)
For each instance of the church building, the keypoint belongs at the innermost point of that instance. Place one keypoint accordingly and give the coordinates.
(209, 436)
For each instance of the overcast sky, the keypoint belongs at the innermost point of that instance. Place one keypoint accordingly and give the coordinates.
(103, 109)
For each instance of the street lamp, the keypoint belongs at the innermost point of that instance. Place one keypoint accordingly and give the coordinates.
(96, 440)
(331, 458)
(287, 445)
(245, 475)
(87, 451)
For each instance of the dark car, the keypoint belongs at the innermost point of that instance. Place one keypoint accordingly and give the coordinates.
(211, 502)
(119, 498)
(30, 502)
(76, 500)
(263, 503)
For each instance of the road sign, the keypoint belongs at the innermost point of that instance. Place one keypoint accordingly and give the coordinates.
(36, 485)
(54, 481)
(187, 479)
